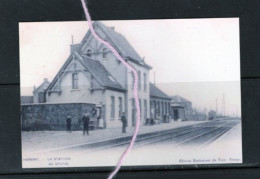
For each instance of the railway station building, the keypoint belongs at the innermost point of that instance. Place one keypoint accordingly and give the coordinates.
(181, 108)
(159, 104)
(93, 75)
(93, 80)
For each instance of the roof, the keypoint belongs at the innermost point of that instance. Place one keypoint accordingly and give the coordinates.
(101, 74)
(121, 43)
(179, 99)
(26, 99)
(45, 84)
(156, 92)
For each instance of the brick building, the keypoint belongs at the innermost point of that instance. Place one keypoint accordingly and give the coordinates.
(92, 74)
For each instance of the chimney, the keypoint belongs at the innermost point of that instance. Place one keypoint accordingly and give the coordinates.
(75, 48)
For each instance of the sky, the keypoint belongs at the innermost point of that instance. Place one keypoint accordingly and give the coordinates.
(181, 51)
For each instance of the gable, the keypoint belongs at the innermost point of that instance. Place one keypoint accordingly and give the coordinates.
(71, 66)
(117, 40)
(93, 70)
(42, 87)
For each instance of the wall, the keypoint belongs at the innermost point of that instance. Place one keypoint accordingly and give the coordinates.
(122, 75)
(82, 94)
(142, 94)
(53, 116)
(111, 63)
(114, 122)
(163, 110)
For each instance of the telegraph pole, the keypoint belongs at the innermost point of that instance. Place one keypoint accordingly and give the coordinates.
(223, 105)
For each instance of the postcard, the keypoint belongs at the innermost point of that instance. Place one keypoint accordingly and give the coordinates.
(77, 101)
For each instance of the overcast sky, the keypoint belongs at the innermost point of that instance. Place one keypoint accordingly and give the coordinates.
(180, 50)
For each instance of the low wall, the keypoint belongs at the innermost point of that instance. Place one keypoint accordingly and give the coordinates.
(53, 116)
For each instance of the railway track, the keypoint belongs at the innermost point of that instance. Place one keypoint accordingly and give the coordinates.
(194, 135)
(199, 135)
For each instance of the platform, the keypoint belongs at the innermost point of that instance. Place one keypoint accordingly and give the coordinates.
(40, 141)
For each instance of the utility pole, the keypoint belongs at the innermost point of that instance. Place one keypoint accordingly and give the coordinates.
(223, 105)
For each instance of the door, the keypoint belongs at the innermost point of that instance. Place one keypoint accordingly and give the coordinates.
(175, 114)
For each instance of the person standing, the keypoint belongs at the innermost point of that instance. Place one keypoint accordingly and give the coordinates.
(68, 121)
(85, 120)
(124, 122)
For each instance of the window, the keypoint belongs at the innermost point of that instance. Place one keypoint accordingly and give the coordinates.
(145, 109)
(145, 87)
(158, 109)
(104, 53)
(140, 104)
(112, 107)
(139, 80)
(111, 78)
(133, 112)
(89, 53)
(74, 81)
(133, 79)
(162, 111)
(120, 106)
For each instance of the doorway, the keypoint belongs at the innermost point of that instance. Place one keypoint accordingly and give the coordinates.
(175, 114)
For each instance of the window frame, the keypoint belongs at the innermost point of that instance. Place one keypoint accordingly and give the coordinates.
(112, 107)
(75, 84)
(133, 79)
(145, 109)
(139, 80)
(120, 106)
(144, 80)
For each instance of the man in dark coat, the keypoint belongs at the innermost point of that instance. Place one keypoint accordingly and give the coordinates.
(85, 120)
(124, 122)
(68, 121)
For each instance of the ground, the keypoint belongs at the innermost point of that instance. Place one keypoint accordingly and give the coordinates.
(38, 148)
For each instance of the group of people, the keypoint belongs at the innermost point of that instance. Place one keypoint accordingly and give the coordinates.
(86, 121)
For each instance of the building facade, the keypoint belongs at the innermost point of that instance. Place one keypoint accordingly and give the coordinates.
(181, 108)
(92, 74)
(159, 104)
(39, 93)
